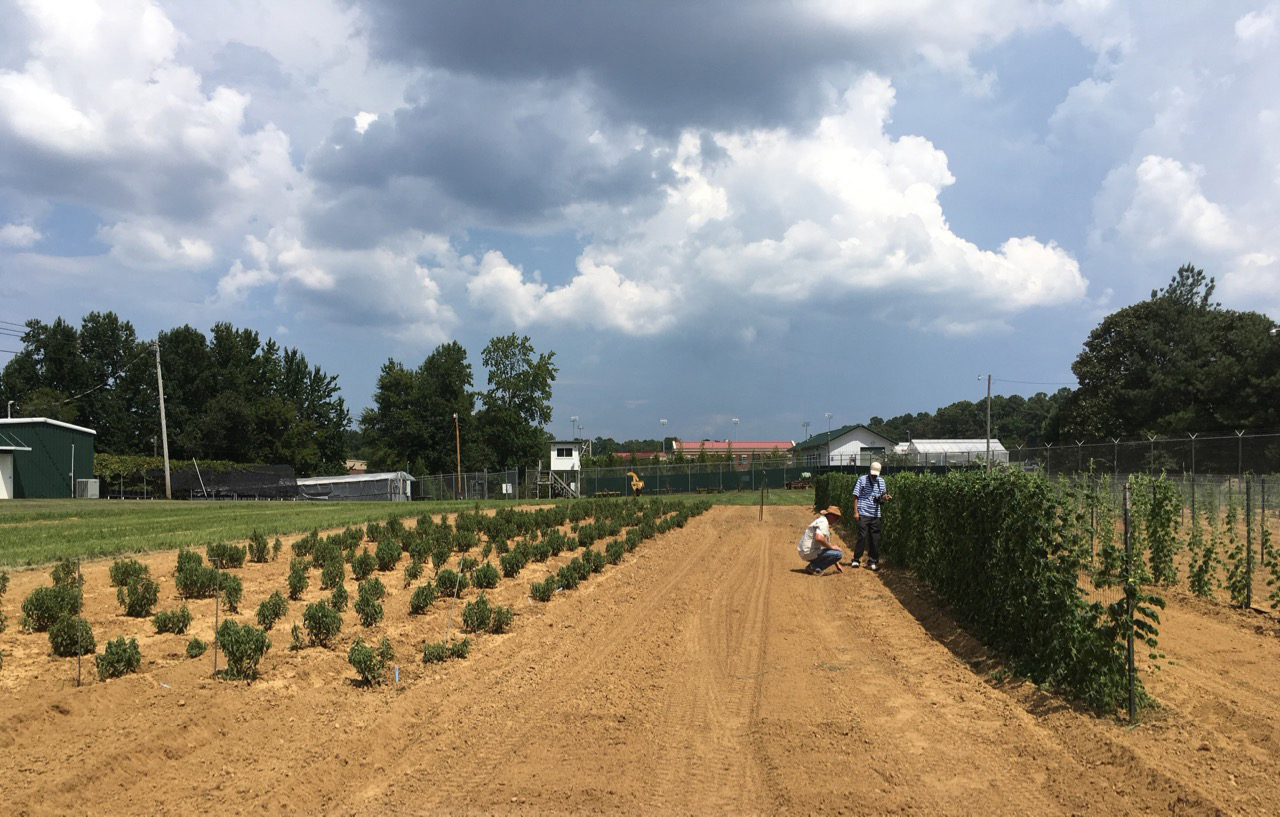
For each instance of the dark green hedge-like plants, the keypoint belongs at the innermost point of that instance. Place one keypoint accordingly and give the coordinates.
(46, 605)
(122, 570)
(368, 604)
(297, 578)
(476, 615)
(371, 664)
(118, 658)
(196, 648)
(439, 652)
(996, 546)
(225, 555)
(422, 598)
(485, 577)
(259, 552)
(243, 646)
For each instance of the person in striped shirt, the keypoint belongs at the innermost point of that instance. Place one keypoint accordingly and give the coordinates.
(869, 494)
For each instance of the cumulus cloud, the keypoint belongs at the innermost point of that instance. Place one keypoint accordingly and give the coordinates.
(1169, 209)
(19, 235)
(775, 217)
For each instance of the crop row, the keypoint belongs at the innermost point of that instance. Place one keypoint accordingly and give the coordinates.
(459, 555)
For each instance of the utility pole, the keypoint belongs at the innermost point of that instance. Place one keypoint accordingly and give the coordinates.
(457, 443)
(164, 428)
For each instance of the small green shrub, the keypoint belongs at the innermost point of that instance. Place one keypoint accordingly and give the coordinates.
(338, 601)
(232, 590)
(363, 565)
(243, 646)
(485, 577)
(435, 653)
(568, 575)
(476, 615)
(542, 591)
(333, 573)
(322, 622)
(66, 573)
(258, 550)
(369, 663)
(501, 620)
(122, 570)
(70, 636)
(613, 552)
(460, 649)
(421, 599)
(632, 540)
(118, 658)
(295, 638)
(512, 563)
(368, 605)
(297, 578)
(302, 548)
(387, 555)
(192, 579)
(467, 564)
(594, 560)
(172, 621)
(46, 605)
(276, 547)
(4, 587)
(451, 583)
(196, 648)
(138, 596)
(225, 555)
(272, 610)
(540, 551)
(412, 572)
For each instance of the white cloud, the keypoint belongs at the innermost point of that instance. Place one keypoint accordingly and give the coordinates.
(1168, 210)
(150, 246)
(19, 235)
(778, 218)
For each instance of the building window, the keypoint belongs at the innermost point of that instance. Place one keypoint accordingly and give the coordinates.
(564, 453)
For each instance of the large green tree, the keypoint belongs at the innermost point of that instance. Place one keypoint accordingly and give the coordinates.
(1177, 363)
(411, 425)
(517, 404)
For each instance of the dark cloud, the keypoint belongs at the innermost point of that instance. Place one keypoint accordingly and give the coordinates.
(664, 63)
(475, 152)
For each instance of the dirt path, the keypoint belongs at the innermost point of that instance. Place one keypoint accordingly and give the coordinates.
(705, 674)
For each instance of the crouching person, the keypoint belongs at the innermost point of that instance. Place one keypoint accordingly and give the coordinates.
(815, 546)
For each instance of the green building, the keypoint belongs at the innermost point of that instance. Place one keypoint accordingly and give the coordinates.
(45, 459)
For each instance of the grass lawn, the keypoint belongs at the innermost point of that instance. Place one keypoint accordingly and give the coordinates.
(38, 531)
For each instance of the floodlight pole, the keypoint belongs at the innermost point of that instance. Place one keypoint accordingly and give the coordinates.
(164, 429)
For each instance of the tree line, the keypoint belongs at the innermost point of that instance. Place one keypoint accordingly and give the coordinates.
(228, 395)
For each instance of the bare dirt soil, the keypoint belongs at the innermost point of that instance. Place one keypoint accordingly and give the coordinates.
(704, 674)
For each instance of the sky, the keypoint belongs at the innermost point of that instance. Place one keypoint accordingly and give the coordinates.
(737, 216)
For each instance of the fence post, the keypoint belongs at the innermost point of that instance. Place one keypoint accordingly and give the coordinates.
(1248, 541)
(1129, 591)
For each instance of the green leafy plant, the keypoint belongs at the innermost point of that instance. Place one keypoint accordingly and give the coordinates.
(476, 615)
(333, 573)
(172, 621)
(119, 657)
(450, 583)
(4, 587)
(297, 578)
(46, 605)
(70, 636)
(422, 598)
(122, 570)
(196, 648)
(272, 610)
(363, 565)
(371, 664)
(387, 555)
(543, 590)
(501, 620)
(225, 555)
(512, 563)
(435, 653)
(1239, 569)
(322, 623)
(192, 579)
(295, 638)
(232, 589)
(139, 596)
(368, 604)
(259, 552)
(243, 646)
(276, 547)
(412, 572)
(485, 577)
(460, 649)
(339, 598)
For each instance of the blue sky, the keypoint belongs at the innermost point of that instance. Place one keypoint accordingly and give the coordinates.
(732, 208)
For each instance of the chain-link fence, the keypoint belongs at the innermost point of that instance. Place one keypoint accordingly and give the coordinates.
(691, 478)
(1237, 453)
(474, 485)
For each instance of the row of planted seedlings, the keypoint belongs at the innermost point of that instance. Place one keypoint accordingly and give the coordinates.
(459, 555)
(1207, 541)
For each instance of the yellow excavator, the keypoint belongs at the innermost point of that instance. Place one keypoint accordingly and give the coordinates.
(637, 484)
